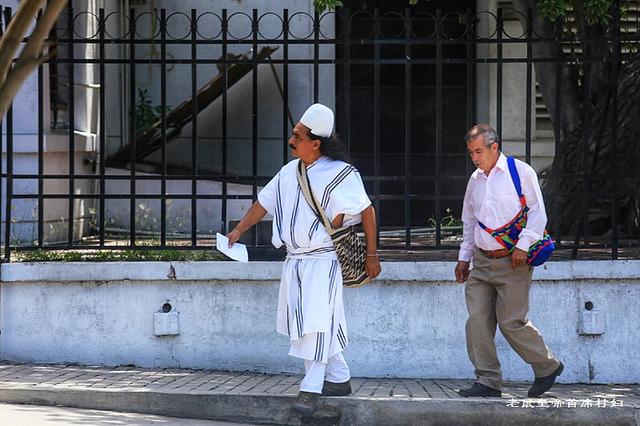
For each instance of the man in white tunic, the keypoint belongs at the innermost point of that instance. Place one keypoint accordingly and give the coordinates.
(310, 308)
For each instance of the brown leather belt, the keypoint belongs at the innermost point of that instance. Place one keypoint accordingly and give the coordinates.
(495, 254)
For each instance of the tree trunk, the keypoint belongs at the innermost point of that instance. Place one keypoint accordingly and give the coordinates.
(598, 165)
(12, 77)
(584, 168)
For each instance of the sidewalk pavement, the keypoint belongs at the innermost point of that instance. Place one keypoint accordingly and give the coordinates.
(265, 399)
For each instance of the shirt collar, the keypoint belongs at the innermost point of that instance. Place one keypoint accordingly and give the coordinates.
(322, 158)
(500, 164)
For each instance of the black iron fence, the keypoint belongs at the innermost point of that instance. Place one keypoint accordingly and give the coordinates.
(150, 129)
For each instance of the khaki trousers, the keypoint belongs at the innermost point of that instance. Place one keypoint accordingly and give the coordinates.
(497, 294)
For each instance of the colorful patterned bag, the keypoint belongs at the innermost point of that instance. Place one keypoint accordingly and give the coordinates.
(349, 249)
(507, 235)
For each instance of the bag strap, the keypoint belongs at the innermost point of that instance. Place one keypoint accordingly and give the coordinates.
(303, 180)
(515, 177)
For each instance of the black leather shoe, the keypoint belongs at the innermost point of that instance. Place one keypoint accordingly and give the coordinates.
(336, 389)
(306, 403)
(478, 389)
(543, 384)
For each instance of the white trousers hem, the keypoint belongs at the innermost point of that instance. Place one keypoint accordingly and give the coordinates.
(335, 371)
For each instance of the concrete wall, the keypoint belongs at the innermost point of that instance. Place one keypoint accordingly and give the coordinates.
(409, 323)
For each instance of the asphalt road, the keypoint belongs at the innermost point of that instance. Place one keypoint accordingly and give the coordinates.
(35, 415)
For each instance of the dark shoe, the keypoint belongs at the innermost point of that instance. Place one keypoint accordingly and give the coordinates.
(306, 403)
(336, 389)
(478, 389)
(543, 384)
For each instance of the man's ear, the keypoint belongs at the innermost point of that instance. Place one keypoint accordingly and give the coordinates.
(316, 144)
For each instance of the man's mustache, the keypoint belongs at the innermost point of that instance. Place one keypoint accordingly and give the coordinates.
(292, 147)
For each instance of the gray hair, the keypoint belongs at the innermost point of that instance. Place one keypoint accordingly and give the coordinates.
(488, 133)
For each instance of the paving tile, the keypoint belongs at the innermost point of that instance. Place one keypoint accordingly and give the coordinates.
(399, 389)
(415, 389)
(451, 387)
(252, 383)
(284, 386)
(229, 385)
(268, 384)
(210, 384)
(203, 381)
(384, 389)
(368, 388)
(433, 389)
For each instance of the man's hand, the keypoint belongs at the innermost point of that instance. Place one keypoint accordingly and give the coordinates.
(518, 258)
(253, 216)
(234, 236)
(462, 271)
(372, 266)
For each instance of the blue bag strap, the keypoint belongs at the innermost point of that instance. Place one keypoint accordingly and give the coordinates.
(514, 175)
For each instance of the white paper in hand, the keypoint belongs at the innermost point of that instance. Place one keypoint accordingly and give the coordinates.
(237, 252)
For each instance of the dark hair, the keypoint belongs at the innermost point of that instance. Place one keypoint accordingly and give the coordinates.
(332, 147)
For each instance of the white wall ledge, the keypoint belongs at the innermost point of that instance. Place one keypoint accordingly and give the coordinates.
(423, 272)
(27, 143)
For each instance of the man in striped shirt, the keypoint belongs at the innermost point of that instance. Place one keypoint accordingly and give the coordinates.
(310, 306)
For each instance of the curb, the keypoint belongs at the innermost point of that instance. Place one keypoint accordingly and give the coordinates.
(274, 409)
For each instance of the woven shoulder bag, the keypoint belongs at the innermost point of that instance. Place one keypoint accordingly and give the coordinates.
(349, 248)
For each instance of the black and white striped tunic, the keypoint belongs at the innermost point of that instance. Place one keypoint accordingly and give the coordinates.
(310, 306)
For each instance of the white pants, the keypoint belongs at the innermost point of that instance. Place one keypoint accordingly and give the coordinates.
(335, 371)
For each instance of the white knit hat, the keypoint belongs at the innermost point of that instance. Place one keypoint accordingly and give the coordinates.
(319, 119)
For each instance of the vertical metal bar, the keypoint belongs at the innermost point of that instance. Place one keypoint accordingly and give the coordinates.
(499, 31)
(346, 128)
(586, 181)
(103, 125)
(2, 15)
(194, 131)
(583, 227)
(132, 127)
(254, 109)
(316, 54)
(285, 85)
(470, 56)
(2, 180)
(616, 55)
(9, 155)
(557, 134)
(527, 137)
(376, 109)
(40, 153)
(1, 119)
(439, 107)
(72, 126)
(163, 127)
(407, 129)
(225, 86)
